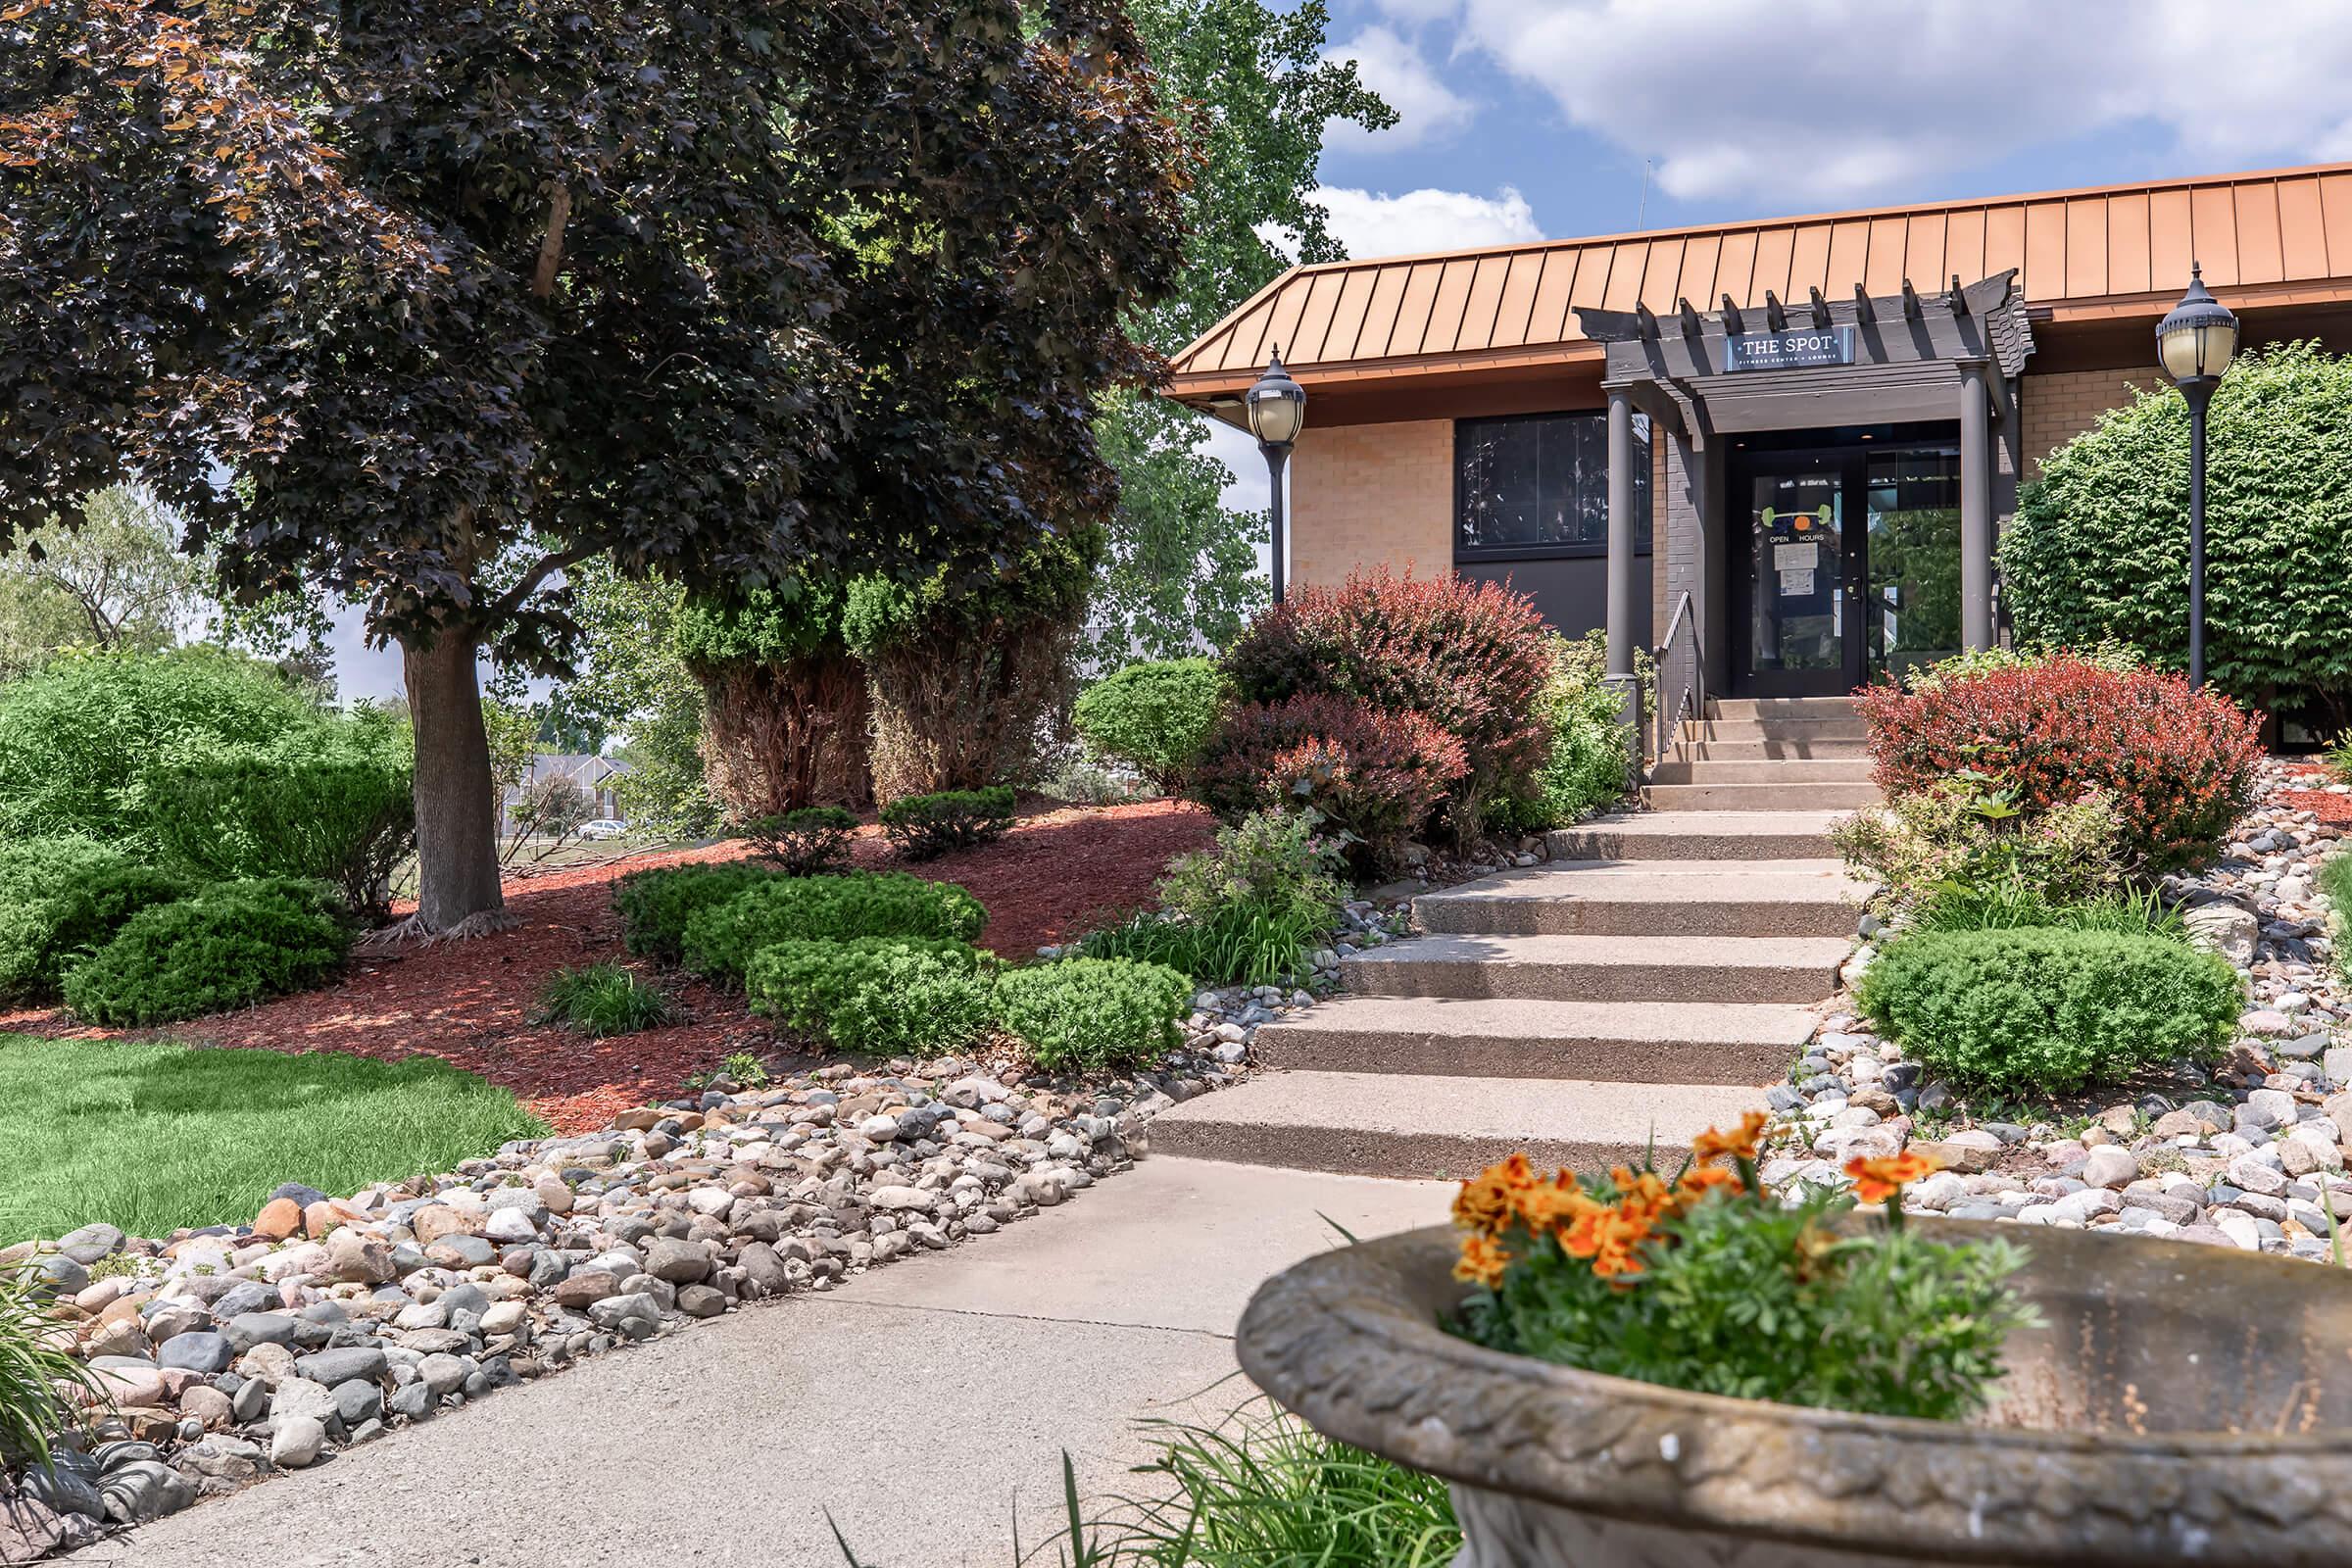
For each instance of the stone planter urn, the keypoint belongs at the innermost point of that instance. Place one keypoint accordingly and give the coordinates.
(2181, 1404)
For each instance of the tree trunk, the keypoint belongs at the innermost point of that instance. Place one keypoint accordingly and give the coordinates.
(457, 813)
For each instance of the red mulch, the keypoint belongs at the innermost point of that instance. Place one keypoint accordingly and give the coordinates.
(469, 1002)
(2334, 809)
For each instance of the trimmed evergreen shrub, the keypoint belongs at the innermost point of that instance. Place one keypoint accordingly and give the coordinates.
(721, 938)
(1095, 1012)
(808, 842)
(2099, 548)
(656, 905)
(885, 995)
(2044, 1010)
(229, 946)
(1468, 657)
(2178, 765)
(1374, 776)
(923, 827)
(1153, 717)
(784, 703)
(62, 899)
(76, 736)
(331, 801)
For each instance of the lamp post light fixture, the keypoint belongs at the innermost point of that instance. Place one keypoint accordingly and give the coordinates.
(1276, 408)
(2195, 344)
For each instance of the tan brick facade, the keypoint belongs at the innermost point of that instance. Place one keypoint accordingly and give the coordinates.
(2058, 408)
(1365, 495)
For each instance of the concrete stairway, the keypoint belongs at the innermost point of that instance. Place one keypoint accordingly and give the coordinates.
(1766, 753)
(1640, 983)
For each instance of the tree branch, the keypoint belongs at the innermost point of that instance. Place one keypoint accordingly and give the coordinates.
(508, 603)
(551, 244)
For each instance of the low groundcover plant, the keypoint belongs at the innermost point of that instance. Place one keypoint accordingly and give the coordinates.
(1702, 1282)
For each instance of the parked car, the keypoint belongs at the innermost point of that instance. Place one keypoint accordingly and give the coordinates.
(603, 827)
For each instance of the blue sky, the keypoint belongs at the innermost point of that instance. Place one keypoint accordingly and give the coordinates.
(1533, 119)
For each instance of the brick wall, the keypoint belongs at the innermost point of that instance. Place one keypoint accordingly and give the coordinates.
(1372, 494)
(2058, 408)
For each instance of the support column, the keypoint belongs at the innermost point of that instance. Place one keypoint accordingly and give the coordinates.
(1976, 510)
(1622, 584)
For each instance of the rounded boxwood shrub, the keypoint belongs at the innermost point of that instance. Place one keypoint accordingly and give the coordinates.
(1153, 717)
(62, 899)
(2099, 548)
(1095, 1012)
(721, 938)
(229, 946)
(2044, 1010)
(808, 842)
(888, 996)
(656, 905)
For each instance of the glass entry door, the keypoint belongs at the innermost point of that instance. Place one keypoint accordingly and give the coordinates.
(1851, 567)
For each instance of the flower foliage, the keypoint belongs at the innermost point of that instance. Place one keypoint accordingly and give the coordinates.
(1701, 1282)
(1375, 776)
(2177, 765)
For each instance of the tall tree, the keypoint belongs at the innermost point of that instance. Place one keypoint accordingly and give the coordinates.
(1180, 566)
(115, 580)
(465, 295)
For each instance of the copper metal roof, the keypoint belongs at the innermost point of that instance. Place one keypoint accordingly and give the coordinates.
(2086, 251)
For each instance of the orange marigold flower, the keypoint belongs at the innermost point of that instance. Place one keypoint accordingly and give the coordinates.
(1715, 1144)
(1877, 1180)
(1483, 1261)
(1700, 1180)
(1548, 1206)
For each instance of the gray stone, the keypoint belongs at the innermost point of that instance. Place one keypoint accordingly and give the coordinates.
(143, 1490)
(297, 1443)
(332, 1367)
(358, 1401)
(197, 1353)
(249, 1329)
(2110, 1166)
(443, 1374)
(91, 1243)
(677, 1261)
(300, 1396)
(2250, 1173)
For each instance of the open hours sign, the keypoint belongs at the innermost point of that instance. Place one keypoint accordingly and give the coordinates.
(1792, 350)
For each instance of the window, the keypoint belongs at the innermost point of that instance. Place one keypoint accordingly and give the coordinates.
(1537, 484)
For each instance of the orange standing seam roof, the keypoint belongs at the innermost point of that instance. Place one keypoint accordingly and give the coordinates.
(2281, 227)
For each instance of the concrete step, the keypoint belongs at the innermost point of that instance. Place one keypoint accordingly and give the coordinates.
(1629, 1042)
(1799, 731)
(1762, 750)
(1781, 707)
(1758, 797)
(1634, 899)
(1822, 770)
(1374, 1125)
(1600, 968)
(1698, 836)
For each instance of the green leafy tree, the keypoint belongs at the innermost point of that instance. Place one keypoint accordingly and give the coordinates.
(1180, 569)
(631, 679)
(115, 580)
(467, 295)
(2100, 550)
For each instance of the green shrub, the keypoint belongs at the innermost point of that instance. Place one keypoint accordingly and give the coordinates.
(885, 995)
(229, 946)
(1153, 717)
(1587, 765)
(923, 827)
(1245, 912)
(1958, 834)
(808, 842)
(62, 899)
(2049, 1012)
(2100, 546)
(721, 938)
(656, 905)
(77, 737)
(1095, 1012)
(331, 801)
(602, 999)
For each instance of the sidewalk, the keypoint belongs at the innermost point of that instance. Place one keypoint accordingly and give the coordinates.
(918, 1404)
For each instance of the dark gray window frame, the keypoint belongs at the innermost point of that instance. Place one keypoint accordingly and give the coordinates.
(1644, 531)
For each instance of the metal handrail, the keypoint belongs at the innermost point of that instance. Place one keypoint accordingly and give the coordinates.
(1689, 684)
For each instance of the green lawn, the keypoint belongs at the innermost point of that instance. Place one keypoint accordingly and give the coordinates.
(154, 1137)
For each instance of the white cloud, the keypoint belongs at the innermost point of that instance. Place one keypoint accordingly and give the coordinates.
(1381, 224)
(1391, 66)
(1842, 100)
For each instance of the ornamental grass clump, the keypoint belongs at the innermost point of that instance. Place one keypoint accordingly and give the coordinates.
(1702, 1282)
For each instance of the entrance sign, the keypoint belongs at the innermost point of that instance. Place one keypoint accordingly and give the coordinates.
(1791, 350)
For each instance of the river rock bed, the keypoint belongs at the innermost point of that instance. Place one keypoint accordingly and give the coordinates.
(2249, 1152)
(234, 1351)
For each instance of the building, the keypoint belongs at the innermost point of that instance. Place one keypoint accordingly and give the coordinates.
(591, 774)
(1780, 453)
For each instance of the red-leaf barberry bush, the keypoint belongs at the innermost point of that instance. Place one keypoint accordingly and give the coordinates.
(2178, 763)
(1469, 658)
(1375, 776)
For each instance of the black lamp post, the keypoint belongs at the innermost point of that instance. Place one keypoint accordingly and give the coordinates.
(2195, 344)
(1277, 406)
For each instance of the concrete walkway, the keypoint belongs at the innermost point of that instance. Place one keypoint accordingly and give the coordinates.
(919, 1404)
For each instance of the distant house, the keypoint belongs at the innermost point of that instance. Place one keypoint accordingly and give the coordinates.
(593, 774)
